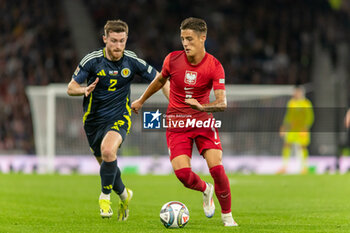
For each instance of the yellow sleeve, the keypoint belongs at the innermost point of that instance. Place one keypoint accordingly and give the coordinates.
(309, 114)
(287, 117)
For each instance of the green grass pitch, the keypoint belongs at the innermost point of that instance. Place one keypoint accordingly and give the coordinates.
(54, 203)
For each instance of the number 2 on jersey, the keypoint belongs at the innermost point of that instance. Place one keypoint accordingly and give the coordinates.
(113, 82)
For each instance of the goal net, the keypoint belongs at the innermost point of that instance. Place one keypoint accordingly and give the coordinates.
(58, 128)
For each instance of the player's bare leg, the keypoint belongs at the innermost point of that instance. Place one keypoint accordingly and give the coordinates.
(181, 161)
(304, 158)
(286, 152)
(222, 184)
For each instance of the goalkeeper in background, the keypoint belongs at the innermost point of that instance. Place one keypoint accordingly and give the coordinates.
(295, 129)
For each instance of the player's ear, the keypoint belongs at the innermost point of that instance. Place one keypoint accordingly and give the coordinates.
(203, 37)
(104, 39)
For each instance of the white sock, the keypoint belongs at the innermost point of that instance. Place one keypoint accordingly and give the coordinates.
(105, 196)
(123, 195)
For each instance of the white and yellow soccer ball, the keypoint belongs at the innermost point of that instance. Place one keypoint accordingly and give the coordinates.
(174, 214)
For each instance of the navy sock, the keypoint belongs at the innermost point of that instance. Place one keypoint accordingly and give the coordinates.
(108, 171)
(118, 185)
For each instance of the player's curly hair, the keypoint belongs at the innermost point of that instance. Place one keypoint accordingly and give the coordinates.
(195, 24)
(116, 26)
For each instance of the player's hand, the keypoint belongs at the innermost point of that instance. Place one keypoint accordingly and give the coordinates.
(347, 119)
(136, 106)
(282, 132)
(91, 87)
(194, 104)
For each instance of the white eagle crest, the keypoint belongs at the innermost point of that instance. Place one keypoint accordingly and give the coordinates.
(190, 77)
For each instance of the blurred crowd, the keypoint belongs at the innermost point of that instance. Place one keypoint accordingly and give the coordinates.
(258, 42)
(35, 49)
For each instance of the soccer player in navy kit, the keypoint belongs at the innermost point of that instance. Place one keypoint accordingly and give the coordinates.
(108, 73)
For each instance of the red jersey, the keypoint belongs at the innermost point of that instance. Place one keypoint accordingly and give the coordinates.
(191, 81)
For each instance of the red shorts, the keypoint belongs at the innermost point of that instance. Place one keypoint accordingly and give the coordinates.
(181, 142)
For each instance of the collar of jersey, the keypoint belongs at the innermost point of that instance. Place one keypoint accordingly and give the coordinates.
(202, 61)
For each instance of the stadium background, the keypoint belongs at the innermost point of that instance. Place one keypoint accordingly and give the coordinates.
(270, 42)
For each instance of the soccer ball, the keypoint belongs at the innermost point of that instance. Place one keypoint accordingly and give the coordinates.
(174, 214)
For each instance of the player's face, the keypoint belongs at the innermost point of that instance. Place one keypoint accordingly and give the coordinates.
(115, 44)
(298, 93)
(192, 42)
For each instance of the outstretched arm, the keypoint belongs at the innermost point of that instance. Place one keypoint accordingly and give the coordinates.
(74, 88)
(166, 89)
(155, 85)
(219, 105)
(286, 121)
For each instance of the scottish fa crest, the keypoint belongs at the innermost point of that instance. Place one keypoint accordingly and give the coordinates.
(151, 120)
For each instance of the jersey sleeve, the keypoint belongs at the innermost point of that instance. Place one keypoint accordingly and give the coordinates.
(143, 69)
(218, 76)
(309, 114)
(82, 71)
(166, 67)
(287, 116)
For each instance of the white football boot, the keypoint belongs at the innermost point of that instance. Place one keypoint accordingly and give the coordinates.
(208, 202)
(228, 220)
(105, 208)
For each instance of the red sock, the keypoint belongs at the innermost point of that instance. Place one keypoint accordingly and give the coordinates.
(190, 179)
(222, 188)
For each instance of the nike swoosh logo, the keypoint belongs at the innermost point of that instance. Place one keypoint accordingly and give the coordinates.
(224, 196)
(217, 143)
(188, 88)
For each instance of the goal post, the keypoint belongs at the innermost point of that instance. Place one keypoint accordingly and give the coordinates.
(42, 101)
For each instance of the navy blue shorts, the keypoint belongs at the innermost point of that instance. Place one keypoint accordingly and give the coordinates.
(95, 133)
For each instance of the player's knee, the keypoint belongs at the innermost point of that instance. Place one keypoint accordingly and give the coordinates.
(108, 154)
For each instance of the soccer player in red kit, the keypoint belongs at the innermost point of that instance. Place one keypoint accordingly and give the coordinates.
(192, 74)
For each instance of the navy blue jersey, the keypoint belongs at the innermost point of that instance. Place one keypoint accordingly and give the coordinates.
(110, 99)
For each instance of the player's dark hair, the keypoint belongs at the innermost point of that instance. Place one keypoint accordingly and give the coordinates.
(195, 24)
(116, 26)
